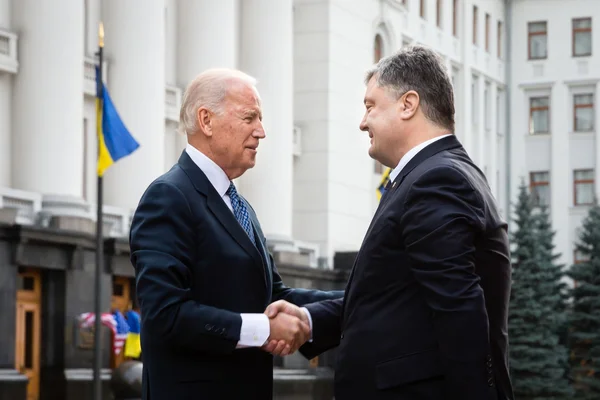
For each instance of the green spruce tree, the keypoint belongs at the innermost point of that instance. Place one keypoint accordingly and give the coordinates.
(584, 338)
(537, 360)
(553, 292)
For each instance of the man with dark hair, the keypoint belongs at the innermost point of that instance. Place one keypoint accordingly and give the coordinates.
(425, 311)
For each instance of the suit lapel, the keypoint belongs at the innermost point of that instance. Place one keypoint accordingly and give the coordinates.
(219, 209)
(259, 236)
(447, 143)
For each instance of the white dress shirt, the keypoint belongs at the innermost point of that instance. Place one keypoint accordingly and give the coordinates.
(410, 154)
(255, 327)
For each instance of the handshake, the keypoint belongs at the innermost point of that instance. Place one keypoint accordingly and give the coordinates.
(289, 328)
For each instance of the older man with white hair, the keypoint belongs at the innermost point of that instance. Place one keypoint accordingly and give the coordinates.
(203, 272)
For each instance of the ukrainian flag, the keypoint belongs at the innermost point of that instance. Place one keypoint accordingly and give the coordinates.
(114, 140)
(133, 346)
(385, 178)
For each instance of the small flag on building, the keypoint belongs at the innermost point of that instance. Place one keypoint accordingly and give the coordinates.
(133, 346)
(385, 178)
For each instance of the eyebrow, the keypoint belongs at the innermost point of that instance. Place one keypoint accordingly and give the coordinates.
(251, 113)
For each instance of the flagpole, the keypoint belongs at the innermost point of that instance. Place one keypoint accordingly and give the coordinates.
(99, 241)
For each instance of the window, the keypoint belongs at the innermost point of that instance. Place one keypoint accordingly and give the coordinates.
(582, 37)
(579, 257)
(487, 32)
(539, 115)
(499, 39)
(486, 106)
(539, 186)
(438, 14)
(499, 112)
(583, 187)
(455, 18)
(84, 182)
(475, 25)
(474, 100)
(377, 48)
(538, 38)
(583, 112)
(422, 9)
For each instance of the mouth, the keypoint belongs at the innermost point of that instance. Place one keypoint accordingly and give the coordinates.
(252, 148)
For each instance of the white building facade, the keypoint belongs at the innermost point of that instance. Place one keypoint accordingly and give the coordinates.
(314, 184)
(555, 80)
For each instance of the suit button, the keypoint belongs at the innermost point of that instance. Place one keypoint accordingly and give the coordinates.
(342, 336)
(490, 382)
(489, 364)
(222, 331)
(208, 327)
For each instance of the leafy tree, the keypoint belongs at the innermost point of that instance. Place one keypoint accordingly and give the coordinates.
(584, 338)
(538, 361)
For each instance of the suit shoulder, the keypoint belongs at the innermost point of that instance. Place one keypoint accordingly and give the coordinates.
(444, 170)
(169, 186)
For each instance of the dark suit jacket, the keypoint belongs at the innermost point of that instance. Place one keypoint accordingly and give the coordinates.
(196, 271)
(425, 312)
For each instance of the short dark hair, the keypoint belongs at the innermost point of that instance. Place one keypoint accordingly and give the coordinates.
(420, 69)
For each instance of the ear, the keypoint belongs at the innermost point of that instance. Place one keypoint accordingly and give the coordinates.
(409, 104)
(204, 118)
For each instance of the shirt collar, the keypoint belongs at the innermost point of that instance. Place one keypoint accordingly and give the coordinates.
(410, 154)
(213, 172)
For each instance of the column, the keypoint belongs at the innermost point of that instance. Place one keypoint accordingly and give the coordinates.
(493, 141)
(465, 34)
(207, 37)
(266, 53)
(467, 134)
(597, 140)
(481, 132)
(5, 105)
(135, 49)
(47, 139)
(561, 174)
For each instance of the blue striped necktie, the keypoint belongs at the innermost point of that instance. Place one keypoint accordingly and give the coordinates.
(240, 211)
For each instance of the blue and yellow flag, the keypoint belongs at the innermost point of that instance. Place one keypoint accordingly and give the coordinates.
(133, 346)
(385, 178)
(114, 140)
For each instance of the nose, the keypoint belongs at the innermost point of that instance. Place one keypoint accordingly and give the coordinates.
(363, 124)
(259, 132)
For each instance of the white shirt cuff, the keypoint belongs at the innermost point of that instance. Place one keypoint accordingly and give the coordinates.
(309, 322)
(255, 330)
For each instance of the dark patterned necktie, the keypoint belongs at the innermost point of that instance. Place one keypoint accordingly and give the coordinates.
(240, 211)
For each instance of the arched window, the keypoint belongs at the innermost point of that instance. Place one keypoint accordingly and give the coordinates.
(378, 48)
(377, 54)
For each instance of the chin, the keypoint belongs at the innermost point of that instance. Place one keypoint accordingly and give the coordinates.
(372, 153)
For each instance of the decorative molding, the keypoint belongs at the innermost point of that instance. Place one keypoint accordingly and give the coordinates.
(172, 103)
(398, 4)
(8, 52)
(89, 75)
(581, 82)
(537, 85)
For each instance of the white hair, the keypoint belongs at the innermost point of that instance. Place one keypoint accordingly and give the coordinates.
(208, 90)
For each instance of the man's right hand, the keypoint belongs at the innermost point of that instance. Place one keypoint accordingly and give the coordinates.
(287, 334)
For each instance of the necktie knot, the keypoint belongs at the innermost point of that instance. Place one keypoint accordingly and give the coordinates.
(231, 191)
